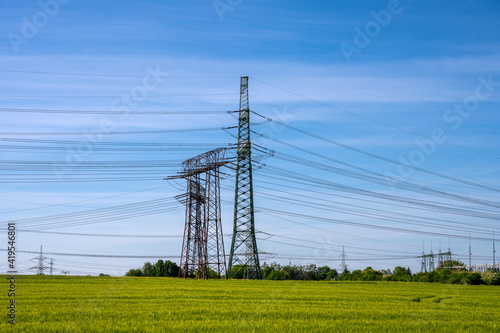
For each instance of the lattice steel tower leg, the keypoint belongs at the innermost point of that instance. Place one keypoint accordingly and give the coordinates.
(41, 266)
(203, 246)
(214, 246)
(192, 255)
(244, 254)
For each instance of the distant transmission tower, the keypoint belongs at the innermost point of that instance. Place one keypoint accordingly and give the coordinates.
(494, 251)
(440, 256)
(244, 252)
(203, 245)
(470, 255)
(444, 258)
(343, 265)
(40, 267)
(423, 265)
(447, 255)
(431, 260)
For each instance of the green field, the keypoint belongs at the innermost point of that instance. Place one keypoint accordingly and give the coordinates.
(108, 304)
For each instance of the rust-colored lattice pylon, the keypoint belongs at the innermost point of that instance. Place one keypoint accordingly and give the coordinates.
(202, 253)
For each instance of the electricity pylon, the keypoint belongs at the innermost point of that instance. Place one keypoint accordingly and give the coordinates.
(343, 265)
(470, 255)
(494, 251)
(244, 256)
(203, 245)
(40, 267)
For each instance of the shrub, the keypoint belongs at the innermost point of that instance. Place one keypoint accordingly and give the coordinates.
(490, 278)
(456, 278)
(473, 278)
(369, 274)
(134, 272)
(276, 275)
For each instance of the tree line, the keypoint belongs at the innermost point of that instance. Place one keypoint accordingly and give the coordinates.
(455, 275)
(159, 269)
(274, 271)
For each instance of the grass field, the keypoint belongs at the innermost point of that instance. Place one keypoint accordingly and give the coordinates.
(109, 304)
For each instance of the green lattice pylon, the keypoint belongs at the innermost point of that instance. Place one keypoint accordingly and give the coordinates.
(244, 256)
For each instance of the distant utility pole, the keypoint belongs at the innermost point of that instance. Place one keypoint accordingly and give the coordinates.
(431, 260)
(448, 255)
(41, 267)
(65, 272)
(423, 265)
(440, 256)
(343, 265)
(244, 252)
(51, 265)
(470, 255)
(494, 249)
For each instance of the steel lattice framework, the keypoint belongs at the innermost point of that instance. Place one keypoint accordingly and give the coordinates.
(244, 256)
(202, 253)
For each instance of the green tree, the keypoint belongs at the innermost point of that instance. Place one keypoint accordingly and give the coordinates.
(159, 268)
(171, 269)
(400, 271)
(266, 270)
(473, 278)
(369, 274)
(323, 272)
(291, 272)
(332, 275)
(356, 275)
(311, 272)
(491, 277)
(346, 276)
(277, 275)
(147, 269)
(400, 274)
(134, 272)
(237, 271)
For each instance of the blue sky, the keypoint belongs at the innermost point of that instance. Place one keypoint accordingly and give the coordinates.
(381, 77)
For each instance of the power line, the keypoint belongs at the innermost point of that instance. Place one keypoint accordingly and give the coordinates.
(113, 96)
(98, 255)
(317, 182)
(370, 119)
(120, 143)
(113, 75)
(82, 201)
(97, 235)
(370, 226)
(144, 208)
(386, 215)
(381, 180)
(188, 130)
(316, 136)
(109, 112)
(372, 215)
